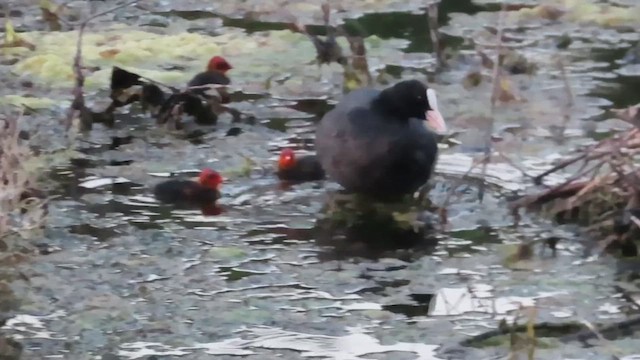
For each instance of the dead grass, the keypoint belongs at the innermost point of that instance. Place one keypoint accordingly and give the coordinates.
(22, 206)
(604, 185)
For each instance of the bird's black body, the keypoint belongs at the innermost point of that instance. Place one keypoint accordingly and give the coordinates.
(376, 143)
(184, 192)
(211, 78)
(191, 104)
(152, 95)
(306, 168)
(123, 79)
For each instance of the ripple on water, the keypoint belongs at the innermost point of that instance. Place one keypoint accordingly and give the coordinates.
(34, 327)
(353, 346)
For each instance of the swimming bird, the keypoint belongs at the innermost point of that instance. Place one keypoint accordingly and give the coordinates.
(181, 191)
(299, 169)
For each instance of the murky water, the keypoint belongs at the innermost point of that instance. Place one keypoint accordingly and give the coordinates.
(286, 272)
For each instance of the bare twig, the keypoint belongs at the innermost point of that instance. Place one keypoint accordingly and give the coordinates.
(570, 187)
(592, 153)
(442, 211)
(494, 98)
(614, 180)
(432, 19)
(567, 85)
(598, 334)
(630, 115)
(496, 64)
(359, 58)
(569, 105)
(327, 50)
(78, 105)
(515, 166)
(156, 82)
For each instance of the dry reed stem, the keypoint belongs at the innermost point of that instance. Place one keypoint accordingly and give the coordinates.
(494, 98)
(432, 20)
(607, 176)
(442, 210)
(567, 88)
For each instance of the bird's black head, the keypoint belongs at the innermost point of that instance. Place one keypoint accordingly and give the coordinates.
(406, 99)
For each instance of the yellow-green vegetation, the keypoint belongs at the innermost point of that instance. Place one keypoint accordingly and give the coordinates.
(13, 40)
(608, 14)
(255, 57)
(572, 16)
(27, 102)
(582, 11)
(226, 253)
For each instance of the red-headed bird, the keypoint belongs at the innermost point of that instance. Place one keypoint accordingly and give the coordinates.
(180, 191)
(305, 168)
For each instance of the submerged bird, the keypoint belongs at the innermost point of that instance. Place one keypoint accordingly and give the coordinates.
(215, 74)
(180, 191)
(376, 142)
(305, 168)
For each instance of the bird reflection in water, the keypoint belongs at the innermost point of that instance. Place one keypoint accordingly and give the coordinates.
(353, 226)
(212, 209)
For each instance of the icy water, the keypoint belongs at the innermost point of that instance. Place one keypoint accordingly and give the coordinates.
(290, 272)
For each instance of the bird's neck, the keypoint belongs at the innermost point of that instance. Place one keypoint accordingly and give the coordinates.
(387, 103)
(214, 70)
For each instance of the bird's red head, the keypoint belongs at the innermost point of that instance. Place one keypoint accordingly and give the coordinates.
(287, 159)
(210, 179)
(218, 63)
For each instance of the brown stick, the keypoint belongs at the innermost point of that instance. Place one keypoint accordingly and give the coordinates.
(432, 20)
(515, 166)
(567, 88)
(445, 203)
(587, 156)
(548, 195)
(156, 82)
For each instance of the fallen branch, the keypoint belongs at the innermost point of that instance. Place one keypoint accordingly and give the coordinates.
(601, 192)
(593, 153)
(630, 115)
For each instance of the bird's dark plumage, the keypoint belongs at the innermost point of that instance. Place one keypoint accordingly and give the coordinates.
(209, 77)
(184, 192)
(306, 168)
(212, 77)
(376, 143)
